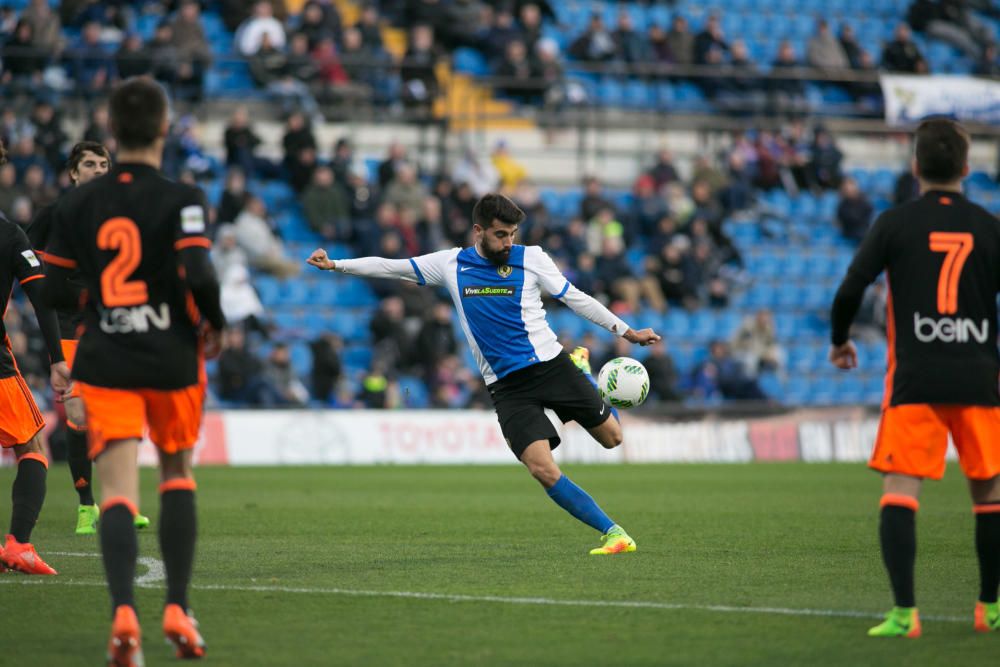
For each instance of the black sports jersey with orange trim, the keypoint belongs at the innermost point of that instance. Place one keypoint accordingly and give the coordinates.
(39, 232)
(20, 263)
(941, 255)
(125, 232)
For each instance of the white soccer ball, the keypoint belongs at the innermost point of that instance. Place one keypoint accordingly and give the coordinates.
(623, 382)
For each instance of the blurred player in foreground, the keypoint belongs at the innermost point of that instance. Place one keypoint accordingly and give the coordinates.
(496, 287)
(87, 161)
(138, 242)
(941, 255)
(21, 422)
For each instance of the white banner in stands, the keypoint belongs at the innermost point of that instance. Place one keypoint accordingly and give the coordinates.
(909, 99)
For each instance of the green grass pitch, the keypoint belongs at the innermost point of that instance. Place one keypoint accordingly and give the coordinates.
(308, 566)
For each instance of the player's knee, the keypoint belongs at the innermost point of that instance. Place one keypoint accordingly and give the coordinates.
(75, 416)
(33, 446)
(547, 474)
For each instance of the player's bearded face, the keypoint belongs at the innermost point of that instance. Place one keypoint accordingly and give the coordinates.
(496, 242)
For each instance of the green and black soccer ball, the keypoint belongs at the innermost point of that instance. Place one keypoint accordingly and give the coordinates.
(623, 382)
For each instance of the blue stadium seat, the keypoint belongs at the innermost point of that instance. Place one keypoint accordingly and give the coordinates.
(413, 392)
(470, 61)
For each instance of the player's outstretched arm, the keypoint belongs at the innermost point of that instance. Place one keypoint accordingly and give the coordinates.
(48, 323)
(642, 337)
(423, 270)
(199, 275)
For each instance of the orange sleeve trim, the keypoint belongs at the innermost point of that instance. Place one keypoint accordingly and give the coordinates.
(82, 428)
(899, 500)
(178, 484)
(119, 500)
(30, 278)
(988, 508)
(60, 261)
(192, 241)
(34, 456)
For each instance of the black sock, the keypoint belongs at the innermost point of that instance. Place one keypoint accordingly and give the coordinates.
(27, 496)
(898, 534)
(178, 531)
(80, 466)
(988, 550)
(120, 547)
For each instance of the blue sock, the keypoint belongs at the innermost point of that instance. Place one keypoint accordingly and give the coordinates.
(614, 410)
(577, 502)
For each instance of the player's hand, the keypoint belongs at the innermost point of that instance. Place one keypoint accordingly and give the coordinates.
(60, 378)
(320, 260)
(642, 337)
(211, 341)
(844, 357)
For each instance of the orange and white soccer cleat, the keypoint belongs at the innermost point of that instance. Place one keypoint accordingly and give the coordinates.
(24, 558)
(181, 630)
(125, 645)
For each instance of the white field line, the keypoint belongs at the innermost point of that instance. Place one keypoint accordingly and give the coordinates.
(154, 566)
(496, 599)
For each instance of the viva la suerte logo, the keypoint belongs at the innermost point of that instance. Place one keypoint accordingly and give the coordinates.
(487, 291)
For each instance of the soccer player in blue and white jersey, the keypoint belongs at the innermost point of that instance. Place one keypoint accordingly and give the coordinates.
(497, 286)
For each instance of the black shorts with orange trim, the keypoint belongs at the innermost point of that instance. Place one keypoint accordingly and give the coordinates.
(913, 440)
(20, 418)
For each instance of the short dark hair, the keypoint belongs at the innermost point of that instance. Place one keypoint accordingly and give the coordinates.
(496, 207)
(138, 107)
(942, 150)
(76, 153)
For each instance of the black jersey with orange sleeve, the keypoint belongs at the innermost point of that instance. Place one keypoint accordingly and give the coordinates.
(39, 233)
(941, 255)
(19, 263)
(132, 235)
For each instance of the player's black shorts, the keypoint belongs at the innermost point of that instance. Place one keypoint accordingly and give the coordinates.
(521, 398)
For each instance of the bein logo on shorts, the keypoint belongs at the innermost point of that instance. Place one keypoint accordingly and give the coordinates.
(949, 329)
(487, 291)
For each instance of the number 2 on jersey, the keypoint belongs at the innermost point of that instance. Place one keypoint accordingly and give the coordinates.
(121, 234)
(956, 246)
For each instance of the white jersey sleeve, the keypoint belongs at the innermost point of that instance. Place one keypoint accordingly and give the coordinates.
(555, 283)
(423, 270)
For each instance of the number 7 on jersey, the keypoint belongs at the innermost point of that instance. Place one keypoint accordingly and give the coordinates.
(957, 246)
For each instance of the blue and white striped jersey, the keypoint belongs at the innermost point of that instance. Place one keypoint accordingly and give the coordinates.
(499, 307)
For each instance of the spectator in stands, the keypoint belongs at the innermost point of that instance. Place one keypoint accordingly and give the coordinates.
(436, 339)
(616, 278)
(461, 26)
(93, 67)
(849, 43)
(710, 45)
(194, 55)
(22, 211)
(479, 173)
(300, 147)
(593, 198)
(630, 46)
(240, 303)
(420, 84)
(988, 65)
(132, 59)
(24, 154)
(952, 21)
(596, 44)
(368, 26)
(648, 206)
(756, 344)
(241, 142)
(510, 171)
(677, 275)
(36, 186)
(658, 45)
(378, 390)
(250, 33)
(362, 197)
(722, 376)
(741, 92)
(256, 237)
(515, 73)
(22, 61)
(826, 159)
(663, 170)
(313, 24)
(788, 95)
(391, 342)
(163, 54)
(365, 65)
(396, 158)
(326, 207)
(906, 189)
(46, 27)
(8, 21)
(902, 55)
(680, 41)
(280, 375)
(240, 374)
(49, 135)
(286, 76)
(226, 251)
(326, 366)
(234, 195)
(530, 25)
(501, 32)
(854, 212)
(824, 51)
(663, 377)
(406, 191)
(9, 189)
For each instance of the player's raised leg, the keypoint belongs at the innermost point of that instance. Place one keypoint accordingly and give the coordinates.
(898, 537)
(27, 496)
(986, 496)
(178, 533)
(537, 458)
(119, 479)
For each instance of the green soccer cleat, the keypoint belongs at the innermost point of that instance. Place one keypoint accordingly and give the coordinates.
(581, 359)
(86, 519)
(986, 617)
(615, 541)
(900, 622)
(141, 522)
